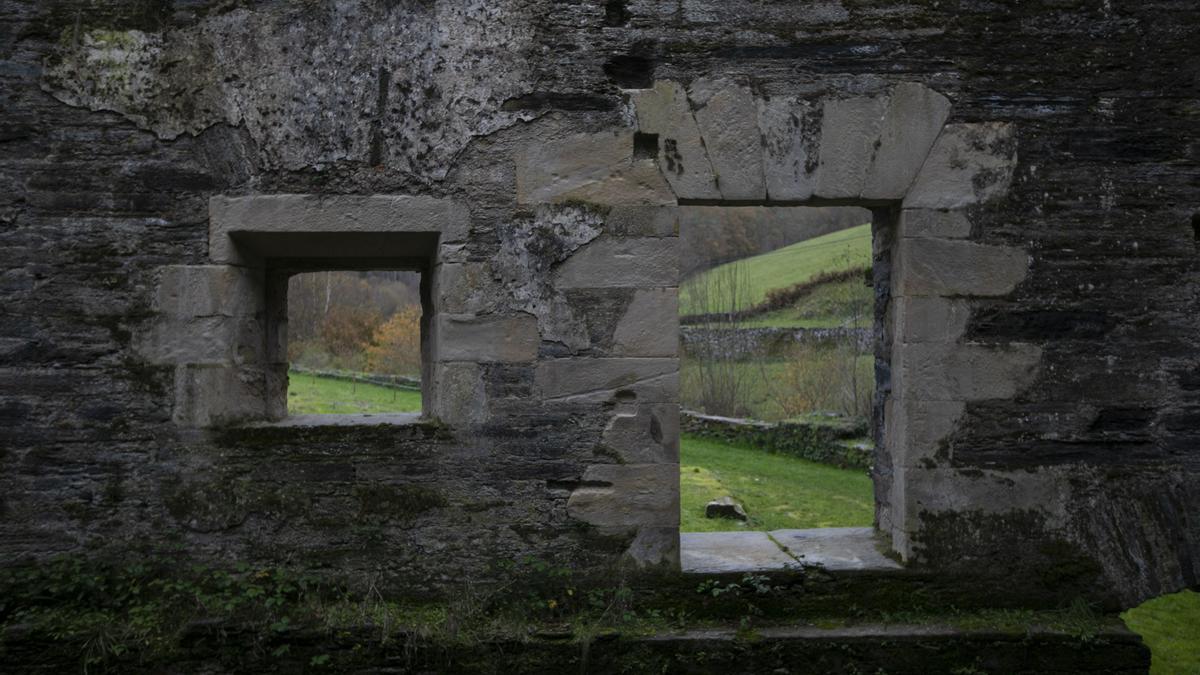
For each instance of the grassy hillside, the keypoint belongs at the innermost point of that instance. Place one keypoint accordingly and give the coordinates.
(845, 249)
(847, 304)
(777, 491)
(309, 395)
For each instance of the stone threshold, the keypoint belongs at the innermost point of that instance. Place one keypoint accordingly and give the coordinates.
(834, 549)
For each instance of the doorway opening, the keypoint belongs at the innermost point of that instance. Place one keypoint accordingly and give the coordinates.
(781, 313)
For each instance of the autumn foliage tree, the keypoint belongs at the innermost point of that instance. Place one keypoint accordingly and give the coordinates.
(336, 320)
(396, 346)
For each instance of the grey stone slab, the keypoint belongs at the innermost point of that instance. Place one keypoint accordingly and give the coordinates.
(938, 371)
(598, 168)
(837, 549)
(930, 318)
(955, 267)
(664, 110)
(464, 288)
(718, 552)
(458, 392)
(209, 290)
(622, 262)
(642, 221)
(969, 164)
(487, 338)
(211, 395)
(915, 115)
(617, 497)
(790, 133)
(649, 379)
(915, 429)
(934, 223)
(644, 434)
(849, 131)
(726, 114)
(650, 325)
(212, 340)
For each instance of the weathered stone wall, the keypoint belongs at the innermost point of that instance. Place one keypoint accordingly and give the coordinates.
(1044, 348)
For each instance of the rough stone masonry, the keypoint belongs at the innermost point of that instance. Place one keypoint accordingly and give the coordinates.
(1032, 168)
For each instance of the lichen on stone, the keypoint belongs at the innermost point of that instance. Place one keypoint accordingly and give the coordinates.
(404, 85)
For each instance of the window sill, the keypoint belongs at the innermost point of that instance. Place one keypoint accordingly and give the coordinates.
(357, 420)
(323, 432)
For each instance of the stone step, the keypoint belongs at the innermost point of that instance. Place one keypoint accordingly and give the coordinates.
(833, 549)
(825, 570)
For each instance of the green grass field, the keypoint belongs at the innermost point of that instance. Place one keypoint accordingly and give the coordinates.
(841, 250)
(309, 395)
(1170, 625)
(777, 491)
(848, 304)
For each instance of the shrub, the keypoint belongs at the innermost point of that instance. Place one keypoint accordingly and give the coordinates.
(396, 346)
(837, 378)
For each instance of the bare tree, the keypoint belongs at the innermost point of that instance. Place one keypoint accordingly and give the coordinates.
(857, 391)
(716, 380)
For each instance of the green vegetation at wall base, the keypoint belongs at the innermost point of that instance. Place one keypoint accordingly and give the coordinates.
(150, 611)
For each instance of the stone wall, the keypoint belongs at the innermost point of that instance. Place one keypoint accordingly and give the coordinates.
(747, 342)
(1028, 164)
(838, 442)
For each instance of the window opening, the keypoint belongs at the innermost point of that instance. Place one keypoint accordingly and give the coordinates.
(354, 342)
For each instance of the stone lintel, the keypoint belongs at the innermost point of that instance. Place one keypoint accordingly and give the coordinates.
(969, 164)
(849, 130)
(727, 117)
(323, 214)
(664, 110)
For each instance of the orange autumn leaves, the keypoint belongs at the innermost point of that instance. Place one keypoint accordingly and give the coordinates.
(355, 321)
(396, 345)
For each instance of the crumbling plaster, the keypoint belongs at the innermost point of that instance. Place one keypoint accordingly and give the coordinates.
(408, 93)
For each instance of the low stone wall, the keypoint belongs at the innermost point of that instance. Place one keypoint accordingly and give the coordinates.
(391, 381)
(738, 342)
(825, 443)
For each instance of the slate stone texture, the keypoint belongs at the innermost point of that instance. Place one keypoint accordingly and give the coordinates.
(1081, 464)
